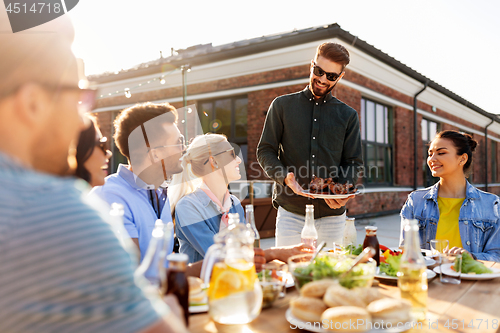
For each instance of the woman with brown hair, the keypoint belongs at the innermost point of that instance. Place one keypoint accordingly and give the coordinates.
(453, 209)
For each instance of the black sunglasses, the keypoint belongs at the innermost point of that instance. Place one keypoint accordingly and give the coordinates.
(318, 71)
(233, 154)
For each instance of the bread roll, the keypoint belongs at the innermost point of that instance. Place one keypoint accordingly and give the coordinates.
(367, 295)
(308, 309)
(195, 284)
(346, 319)
(196, 294)
(317, 288)
(390, 310)
(340, 296)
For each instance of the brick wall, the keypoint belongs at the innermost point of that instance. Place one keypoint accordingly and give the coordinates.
(258, 104)
(376, 202)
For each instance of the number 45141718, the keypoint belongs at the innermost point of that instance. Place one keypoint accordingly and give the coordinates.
(35, 8)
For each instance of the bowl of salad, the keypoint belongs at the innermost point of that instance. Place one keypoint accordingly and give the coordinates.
(331, 266)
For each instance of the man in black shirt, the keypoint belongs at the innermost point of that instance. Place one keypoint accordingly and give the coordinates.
(311, 133)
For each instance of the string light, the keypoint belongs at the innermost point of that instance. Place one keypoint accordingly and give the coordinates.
(128, 91)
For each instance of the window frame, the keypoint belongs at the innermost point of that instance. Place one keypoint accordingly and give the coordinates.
(232, 138)
(388, 145)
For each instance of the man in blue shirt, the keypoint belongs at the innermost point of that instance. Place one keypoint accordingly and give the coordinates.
(147, 135)
(62, 267)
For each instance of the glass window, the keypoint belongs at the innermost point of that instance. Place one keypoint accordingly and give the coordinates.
(493, 161)
(240, 117)
(370, 121)
(380, 130)
(429, 130)
(363, 117)
(377, 142)
(226, 116)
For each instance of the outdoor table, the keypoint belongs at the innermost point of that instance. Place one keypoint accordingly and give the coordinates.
(472, 306)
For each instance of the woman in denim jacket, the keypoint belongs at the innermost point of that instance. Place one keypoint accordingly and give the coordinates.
(453, 209)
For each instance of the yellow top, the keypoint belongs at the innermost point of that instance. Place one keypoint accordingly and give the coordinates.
(449, 211)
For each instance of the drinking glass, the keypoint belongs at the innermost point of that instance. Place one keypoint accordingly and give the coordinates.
(273, 278)
(438, 248)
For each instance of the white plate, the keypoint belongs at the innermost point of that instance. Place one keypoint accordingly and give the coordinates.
(429, 261)
(331, 196)
(198, 308)
(383, 276)
(428, 253)
(318, 328)
(448, 271)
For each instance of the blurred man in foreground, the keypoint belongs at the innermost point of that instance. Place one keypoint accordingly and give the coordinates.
(63, 268)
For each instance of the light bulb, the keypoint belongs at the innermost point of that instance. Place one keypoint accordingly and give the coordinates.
(128, 94)
(162, 81)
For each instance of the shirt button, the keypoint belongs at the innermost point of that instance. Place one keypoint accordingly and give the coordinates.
(466, 222)
(314, 119)
(310, 99)
(468, 242)
(317, 104)
(314, 138)
(313, 155)
(324, 101)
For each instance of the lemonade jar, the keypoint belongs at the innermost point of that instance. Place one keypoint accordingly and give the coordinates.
(234, 292)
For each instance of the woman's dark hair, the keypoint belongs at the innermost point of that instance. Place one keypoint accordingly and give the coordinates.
(463, 142)
(85, 148)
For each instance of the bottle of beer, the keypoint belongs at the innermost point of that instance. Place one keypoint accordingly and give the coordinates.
(177, 283)
(412, 275)
(371, 240)
(250, 217)
(309, 234)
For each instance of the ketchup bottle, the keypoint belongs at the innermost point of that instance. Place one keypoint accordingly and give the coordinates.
(371, 240)
(177, 283)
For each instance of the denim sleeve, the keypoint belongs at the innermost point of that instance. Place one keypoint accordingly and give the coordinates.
(492, 246)
(193, 226)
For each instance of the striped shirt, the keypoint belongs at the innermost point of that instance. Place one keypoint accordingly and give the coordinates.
(62, 269)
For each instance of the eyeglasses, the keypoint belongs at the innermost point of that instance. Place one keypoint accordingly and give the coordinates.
(180, 142)
(318, 71)
(233, 154)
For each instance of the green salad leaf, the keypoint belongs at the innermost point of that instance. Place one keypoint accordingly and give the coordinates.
(331, 267)
(469, 265)
(391, 265)
(356, 250)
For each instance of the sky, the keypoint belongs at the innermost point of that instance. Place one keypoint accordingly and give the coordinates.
(455, 43)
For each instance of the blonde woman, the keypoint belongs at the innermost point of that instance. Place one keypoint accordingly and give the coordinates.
(201, 200)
